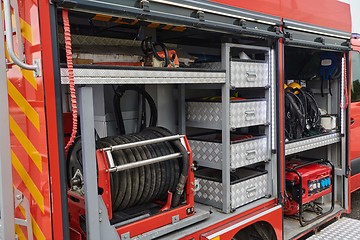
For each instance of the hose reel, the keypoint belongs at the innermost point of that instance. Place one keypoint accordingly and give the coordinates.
(139, 174)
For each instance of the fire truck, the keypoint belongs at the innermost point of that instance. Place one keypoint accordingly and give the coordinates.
(208, 119)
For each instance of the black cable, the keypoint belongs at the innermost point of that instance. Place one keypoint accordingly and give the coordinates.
(120, 90)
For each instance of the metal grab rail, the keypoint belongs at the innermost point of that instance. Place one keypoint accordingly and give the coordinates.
(144, 162)
(9, 41)
(142, 143)
(128, 166)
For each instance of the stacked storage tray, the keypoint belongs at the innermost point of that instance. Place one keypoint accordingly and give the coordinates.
(247, 185)
(244, 73)
(244, 150)
(243, 113)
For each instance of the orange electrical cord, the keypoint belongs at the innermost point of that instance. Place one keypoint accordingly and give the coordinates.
(70, 68)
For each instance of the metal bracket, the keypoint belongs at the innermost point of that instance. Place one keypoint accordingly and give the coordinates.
(320, 40)
(288, 35)
(200, 15)
(20, 200)
(242, 23)
(125, 236)
(145, 5)
(37, 71)
(175, 219)
(276, 29)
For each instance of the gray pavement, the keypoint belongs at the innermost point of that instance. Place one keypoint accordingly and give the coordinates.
(355, 205)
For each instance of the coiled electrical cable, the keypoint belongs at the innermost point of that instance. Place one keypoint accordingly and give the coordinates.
(301, 113)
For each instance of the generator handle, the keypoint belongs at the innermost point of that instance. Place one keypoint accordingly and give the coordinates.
(309, 163)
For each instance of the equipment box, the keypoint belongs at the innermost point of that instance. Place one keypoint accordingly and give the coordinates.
(243, 113)
(247, 185)
(244, 149)
(243, 73)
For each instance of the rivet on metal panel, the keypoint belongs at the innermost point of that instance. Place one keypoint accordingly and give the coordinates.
(175, 219)
(125, 236)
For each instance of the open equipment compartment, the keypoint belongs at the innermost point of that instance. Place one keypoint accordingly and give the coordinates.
(122, 73)
(314, 80)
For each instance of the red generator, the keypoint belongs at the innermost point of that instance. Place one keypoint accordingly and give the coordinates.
(306, 181)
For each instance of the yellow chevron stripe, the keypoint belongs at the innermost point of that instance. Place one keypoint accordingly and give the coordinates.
(167, 27)
(153, 25)
(100, 17)
(24, 105)
(26, 31)
(178, 29)
(29, 76)
(25, 142)
(29, 183)
(19, 233)
(36, 229)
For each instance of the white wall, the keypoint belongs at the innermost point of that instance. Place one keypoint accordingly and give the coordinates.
(355, 14)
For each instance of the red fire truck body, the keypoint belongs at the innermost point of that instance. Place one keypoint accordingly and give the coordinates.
(253, 48)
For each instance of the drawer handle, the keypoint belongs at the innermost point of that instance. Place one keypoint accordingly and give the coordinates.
(250, 115)
(251, 76)
(250, 154)
(251, 191)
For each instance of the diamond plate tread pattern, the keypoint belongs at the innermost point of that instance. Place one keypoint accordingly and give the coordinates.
(241, 154)
(300, 146)
(245, 114)
(244, 192)
(249, 74)
(343, 229)
(248, 191)
(242, 114)
(127, 76)
(210, 192)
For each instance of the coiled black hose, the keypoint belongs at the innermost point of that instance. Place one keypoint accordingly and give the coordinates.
(119, 92)
(145, 184)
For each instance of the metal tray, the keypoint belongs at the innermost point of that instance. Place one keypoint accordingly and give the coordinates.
(208, 152)
(247, 185)
(243, 113)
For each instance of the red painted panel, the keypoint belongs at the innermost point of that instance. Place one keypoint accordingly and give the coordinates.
(325, 13)
(29, 129)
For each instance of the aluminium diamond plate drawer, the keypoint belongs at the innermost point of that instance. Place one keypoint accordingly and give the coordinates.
(243, 73)
(248, 150)
(247, 74)
(247, 185)
(243, 113)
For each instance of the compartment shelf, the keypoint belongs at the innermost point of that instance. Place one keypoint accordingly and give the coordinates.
(207, 151)
(311, 143)
(247, 185)
(243, 113)
(142, 75)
